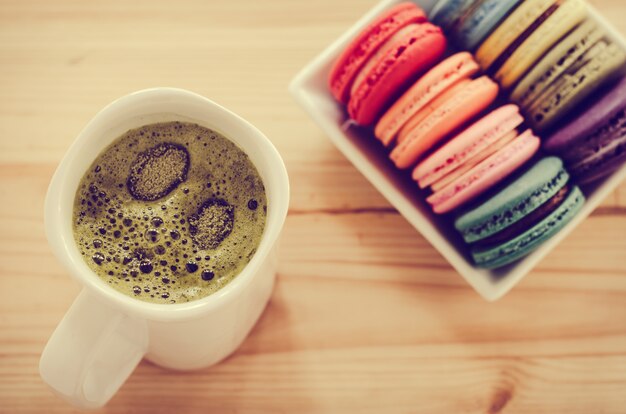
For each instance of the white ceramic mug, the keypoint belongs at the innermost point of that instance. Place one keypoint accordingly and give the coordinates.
(105, 333)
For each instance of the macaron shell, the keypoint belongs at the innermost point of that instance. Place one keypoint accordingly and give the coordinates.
(563, 20)
(525, 243)
(522, 196)
(390, 44)
(467, 144)
(347, 66)
(477, 25)
(433, 83)
(460, 108)
(509, 30)
(576, 84)
(557, 60)
(485, 175)
(414, 53)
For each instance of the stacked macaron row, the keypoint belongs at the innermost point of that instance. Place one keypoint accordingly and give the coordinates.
(395, 68)
(547, 55)
(437, 117)
(552, 58)
(443, 101)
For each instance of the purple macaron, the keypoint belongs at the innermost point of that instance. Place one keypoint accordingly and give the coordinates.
(593, 143)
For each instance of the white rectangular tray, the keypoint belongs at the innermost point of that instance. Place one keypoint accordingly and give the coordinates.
(309, 88)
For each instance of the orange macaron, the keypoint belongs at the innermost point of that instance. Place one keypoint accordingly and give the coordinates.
(434, 83)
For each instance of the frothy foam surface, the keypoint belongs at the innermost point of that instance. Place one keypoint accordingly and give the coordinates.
(170, 212)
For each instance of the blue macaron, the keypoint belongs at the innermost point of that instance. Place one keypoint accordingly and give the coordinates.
(446, 13)
(519, 218)
(480, 21)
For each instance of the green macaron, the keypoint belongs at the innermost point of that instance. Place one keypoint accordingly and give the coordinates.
(516, 220)
(570, 72)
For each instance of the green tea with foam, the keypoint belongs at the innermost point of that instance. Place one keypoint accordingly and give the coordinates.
(169, 212)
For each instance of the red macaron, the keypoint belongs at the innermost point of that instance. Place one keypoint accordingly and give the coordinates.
(347, 66)
(385, 57)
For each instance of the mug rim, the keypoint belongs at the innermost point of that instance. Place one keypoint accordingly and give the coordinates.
(66, 250)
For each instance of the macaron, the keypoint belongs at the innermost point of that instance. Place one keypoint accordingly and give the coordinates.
(430, 86)
(593, 143)
(479, 21)
(435, 121)
(447, 13)
(525, 35)
(577, 66)
(406, 55)
(567, 14)
(407, 51)
(485, 174)
(520, 217)
(556, 61)
(368, 41)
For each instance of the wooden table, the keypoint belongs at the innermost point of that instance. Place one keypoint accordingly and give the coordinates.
(366, 316)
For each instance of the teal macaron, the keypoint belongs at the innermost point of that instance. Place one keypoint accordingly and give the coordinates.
(521, 216)
(479, 21)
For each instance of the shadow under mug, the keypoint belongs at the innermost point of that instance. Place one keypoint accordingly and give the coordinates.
(105, 333)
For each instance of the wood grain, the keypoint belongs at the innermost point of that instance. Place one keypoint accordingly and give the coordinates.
(366, 316)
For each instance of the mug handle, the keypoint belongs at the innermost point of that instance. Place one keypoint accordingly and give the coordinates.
(92, 352)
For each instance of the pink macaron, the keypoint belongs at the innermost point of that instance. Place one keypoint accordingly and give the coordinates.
(470, 147)
(485, 174)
